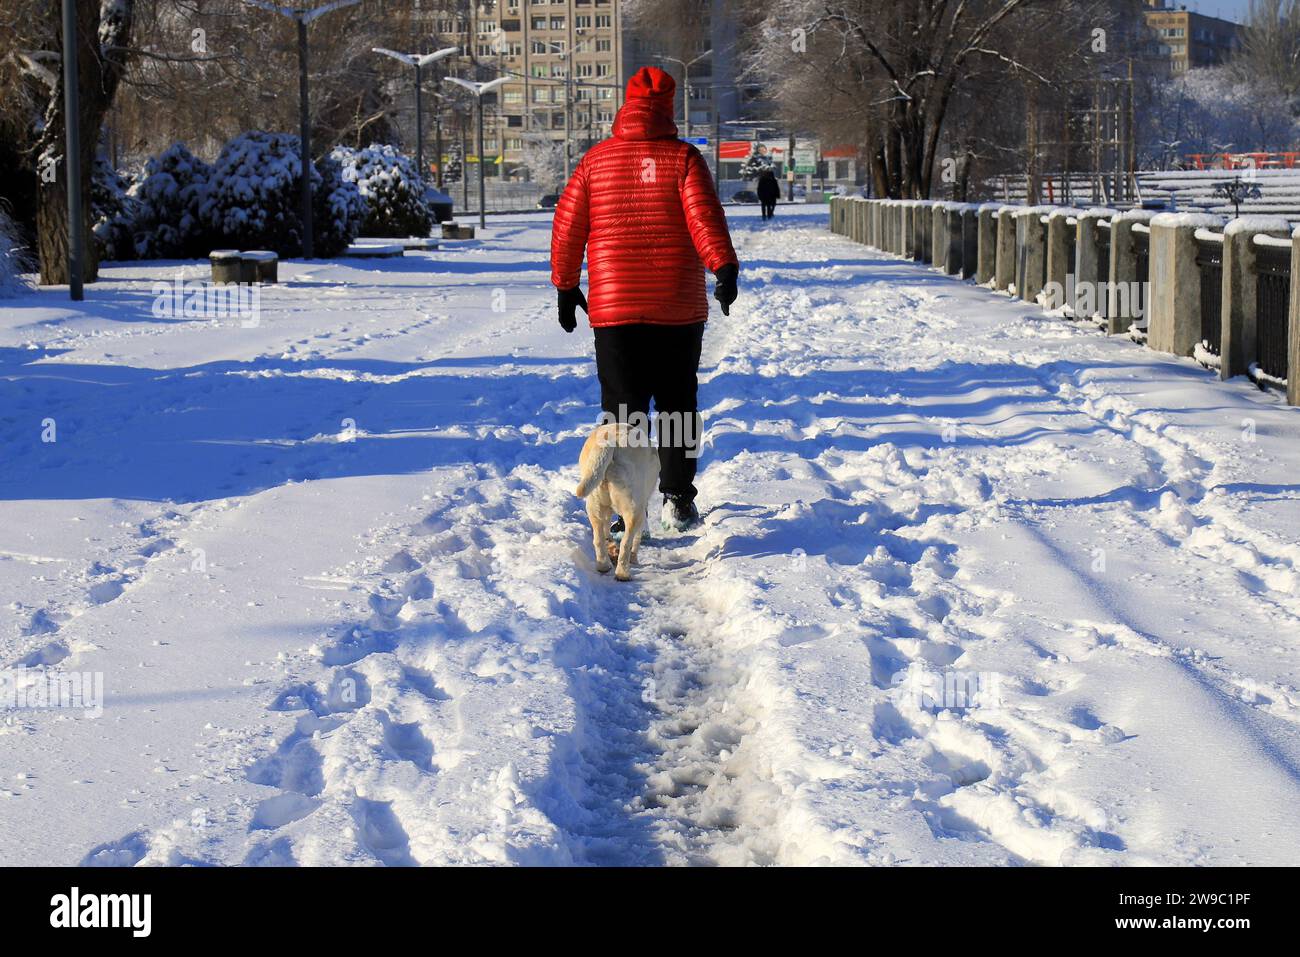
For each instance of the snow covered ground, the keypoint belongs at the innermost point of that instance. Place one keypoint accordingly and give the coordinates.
(340, 594)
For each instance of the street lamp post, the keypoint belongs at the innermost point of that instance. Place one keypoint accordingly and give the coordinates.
(72, 163)
(420, 61)
(480, 90)
(304, 16)
(686, 87)
(437, 139)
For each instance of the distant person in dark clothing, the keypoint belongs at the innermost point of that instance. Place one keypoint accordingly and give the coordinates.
(769, 191)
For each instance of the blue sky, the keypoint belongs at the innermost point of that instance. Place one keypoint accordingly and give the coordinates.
(1228, 9)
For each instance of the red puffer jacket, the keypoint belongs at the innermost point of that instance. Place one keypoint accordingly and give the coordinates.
(643, 206)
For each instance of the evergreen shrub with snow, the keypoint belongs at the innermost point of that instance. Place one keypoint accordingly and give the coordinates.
(112, 212)
(394, 192)
(165, 220)
(252, 198)
(338, 208)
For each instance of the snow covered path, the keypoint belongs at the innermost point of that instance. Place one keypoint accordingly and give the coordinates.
(340, 592)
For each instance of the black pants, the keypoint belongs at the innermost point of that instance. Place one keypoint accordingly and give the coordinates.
(769, 208)
(641, 361)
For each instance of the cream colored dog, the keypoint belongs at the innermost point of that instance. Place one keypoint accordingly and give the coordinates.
(620, 468)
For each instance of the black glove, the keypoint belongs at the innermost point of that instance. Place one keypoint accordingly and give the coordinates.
(724, 290)
(570, 300)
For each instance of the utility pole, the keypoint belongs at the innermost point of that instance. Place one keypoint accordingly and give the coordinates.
(789, 169)
(419, 125)
(1131, 137)
(567, 57)
(464, 163)
(437, 139)
(717, 142)
(303, 16)
(72, 162)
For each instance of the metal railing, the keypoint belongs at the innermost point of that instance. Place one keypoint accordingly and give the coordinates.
(1209, 260)
(1103, 270)
(1272, 307)
(1142, 258)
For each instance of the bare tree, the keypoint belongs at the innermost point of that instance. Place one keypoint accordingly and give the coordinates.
(1269, 58)
(888, 74)
(544, 158)
(32, 114)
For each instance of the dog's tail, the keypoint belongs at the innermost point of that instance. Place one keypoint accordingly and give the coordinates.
(593, 472)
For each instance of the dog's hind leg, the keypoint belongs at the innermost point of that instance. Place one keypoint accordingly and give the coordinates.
(635, 545)
(631, 539)
(598, 515)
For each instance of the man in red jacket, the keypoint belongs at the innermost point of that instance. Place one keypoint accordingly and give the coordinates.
(642, 206)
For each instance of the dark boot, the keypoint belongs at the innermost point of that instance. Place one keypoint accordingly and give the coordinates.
(679, 514)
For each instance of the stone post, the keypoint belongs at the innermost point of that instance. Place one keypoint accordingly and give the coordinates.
(1031, 252)
(1060, 254)
(987, 241)
(1239, 348)
(925, 221)
(1089, 270)
(1124, 299)
(1004, 270)
(1174, 298)
(939, 235)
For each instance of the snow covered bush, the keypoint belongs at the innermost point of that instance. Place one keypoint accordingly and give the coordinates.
(166, 198)
(392, 188)
(13, 261)
(338, 208)
(252, 199)
(112, 212)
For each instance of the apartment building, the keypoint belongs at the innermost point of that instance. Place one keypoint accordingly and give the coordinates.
(567, 56)
(700, 50)
(1189, 40)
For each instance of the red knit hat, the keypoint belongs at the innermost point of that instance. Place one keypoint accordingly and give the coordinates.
(650, 81)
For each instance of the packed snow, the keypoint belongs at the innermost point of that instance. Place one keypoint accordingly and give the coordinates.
(974, 585)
